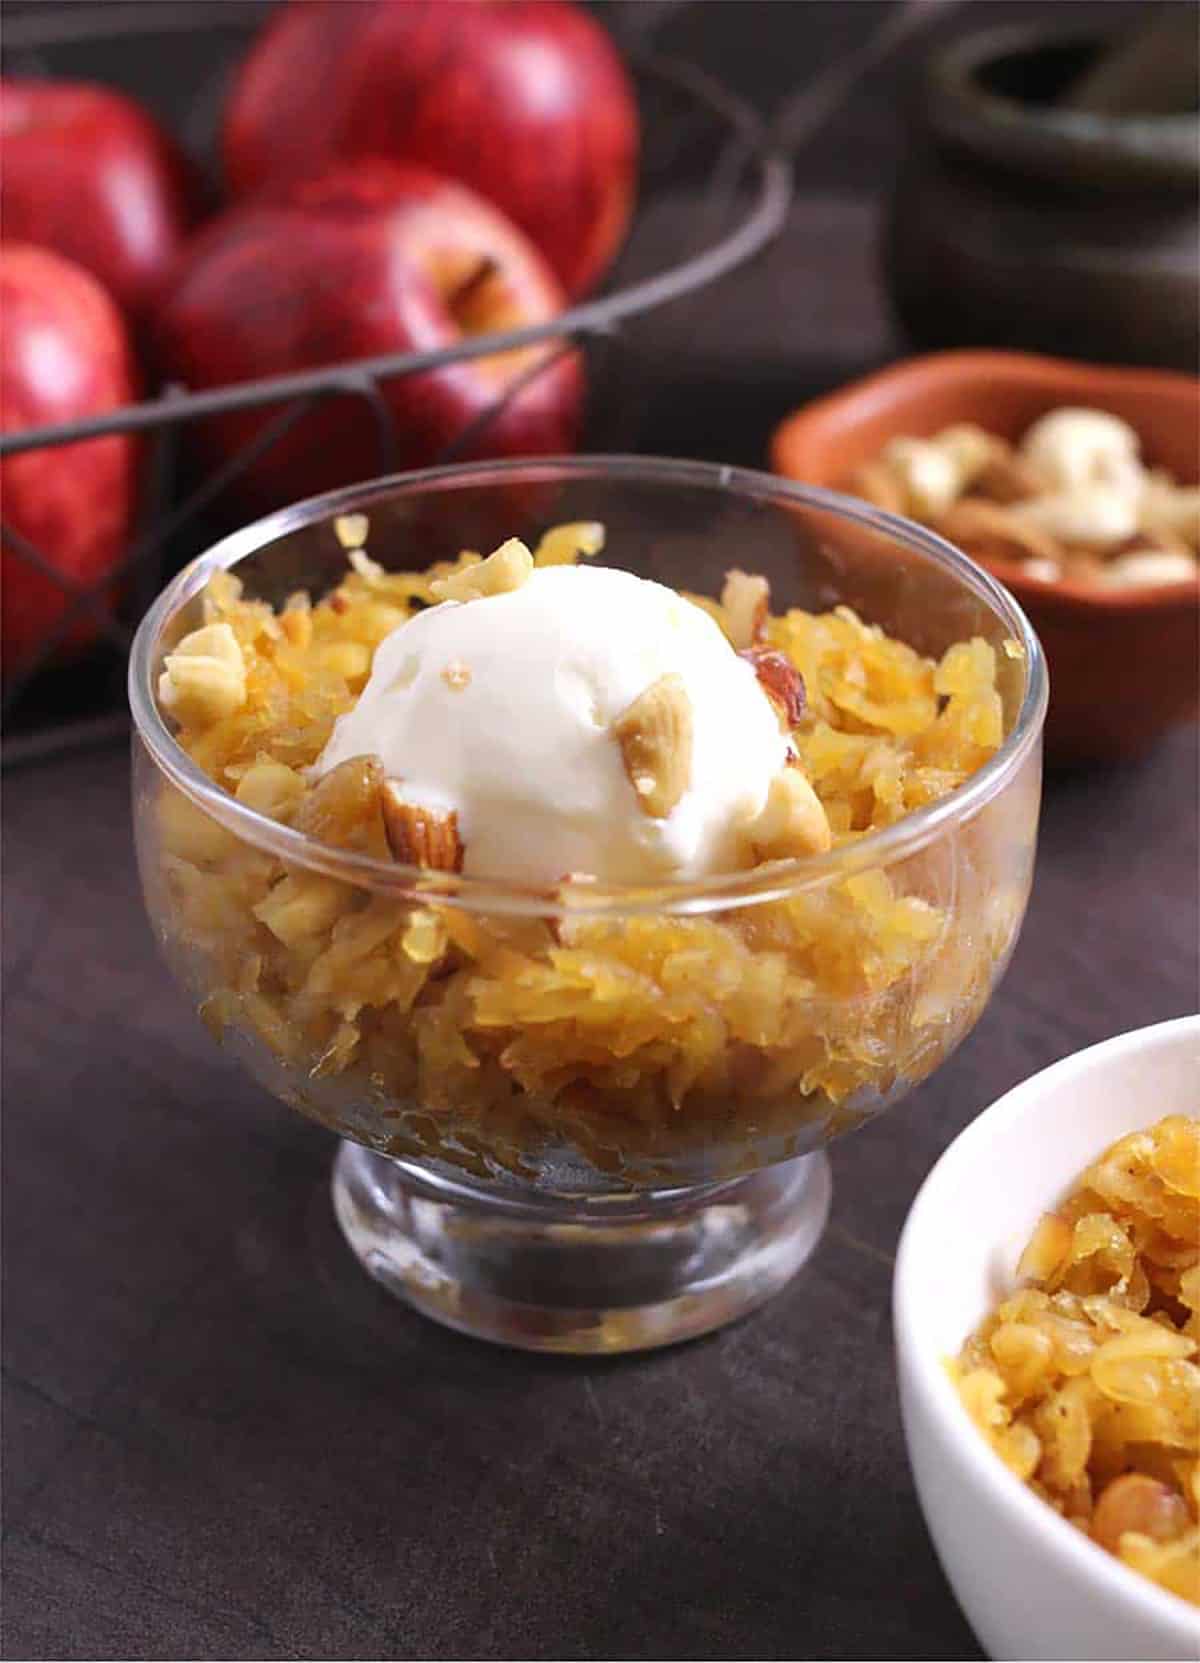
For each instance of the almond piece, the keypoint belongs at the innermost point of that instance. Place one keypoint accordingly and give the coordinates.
(420, 836)
(986, 531)
(780, 681)
(792, 822)
(655, 735)
(508, 568)
(746, 600)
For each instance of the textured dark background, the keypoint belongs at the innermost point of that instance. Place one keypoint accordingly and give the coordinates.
(223, 1441)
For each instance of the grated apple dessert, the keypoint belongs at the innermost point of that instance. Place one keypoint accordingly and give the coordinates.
(1085, 1380)
(557, 729)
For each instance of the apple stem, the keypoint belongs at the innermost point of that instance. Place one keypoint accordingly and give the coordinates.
(488, 267)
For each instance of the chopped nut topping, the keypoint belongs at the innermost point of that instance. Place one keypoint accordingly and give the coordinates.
(746, 601)
(370, 570)
(420, 836)
(793, 821)
(507, 569)
(456, 676)
(929, 475)
(562, 545)
(204, 679)
(351, 530)
(780, 681)
(655, 736)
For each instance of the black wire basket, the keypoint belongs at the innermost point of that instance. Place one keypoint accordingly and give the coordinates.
(711, 189)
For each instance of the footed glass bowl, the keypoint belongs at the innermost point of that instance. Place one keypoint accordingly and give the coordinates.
(594, 1122)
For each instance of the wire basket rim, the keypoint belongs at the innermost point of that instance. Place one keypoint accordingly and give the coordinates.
(761, 223)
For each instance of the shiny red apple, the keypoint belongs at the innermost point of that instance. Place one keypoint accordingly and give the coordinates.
(525, 101)
(373, 258)
(90, 174)
(64, 355)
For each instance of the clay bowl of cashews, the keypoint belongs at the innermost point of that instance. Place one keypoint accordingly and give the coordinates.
(1075, 484)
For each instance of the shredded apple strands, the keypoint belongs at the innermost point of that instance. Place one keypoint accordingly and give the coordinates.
(637, 1041)
(1085, 1380)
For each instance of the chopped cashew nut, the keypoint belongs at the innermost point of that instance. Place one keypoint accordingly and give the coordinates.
(746, 601)
(970, 449)
(369, 570)
(792, 822)
(655, 735)
(507, 569)
(1129, 571)
(562, 545)
(930, 476)
(351, 530)
(1077, 448)
(1095, 517)
(204, 679)
(1045, 571)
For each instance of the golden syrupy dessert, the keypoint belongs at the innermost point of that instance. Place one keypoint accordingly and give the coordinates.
(1085, 1380)
(637, 1041)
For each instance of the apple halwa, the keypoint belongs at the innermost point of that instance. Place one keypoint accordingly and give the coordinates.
(637, 1041)
(1085, 1380)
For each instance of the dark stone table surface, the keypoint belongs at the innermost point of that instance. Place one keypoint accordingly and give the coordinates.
(223, 1441)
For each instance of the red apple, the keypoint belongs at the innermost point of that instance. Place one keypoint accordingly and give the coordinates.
(525, 101)
(372, 258)
(64, 355)
(91, 175)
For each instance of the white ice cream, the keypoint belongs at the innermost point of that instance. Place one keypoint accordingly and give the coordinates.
(501, 709)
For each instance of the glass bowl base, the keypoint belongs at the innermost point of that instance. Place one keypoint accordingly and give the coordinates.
(597, 1275)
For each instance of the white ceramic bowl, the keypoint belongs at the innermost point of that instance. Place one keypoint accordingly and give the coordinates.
(1030, 1584)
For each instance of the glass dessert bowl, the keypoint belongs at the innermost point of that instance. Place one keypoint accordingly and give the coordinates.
(583, 1114)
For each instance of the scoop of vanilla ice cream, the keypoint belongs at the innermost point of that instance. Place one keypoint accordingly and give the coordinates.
(502, 709)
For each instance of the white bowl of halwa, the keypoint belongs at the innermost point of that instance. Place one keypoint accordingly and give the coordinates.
(1045, 1305)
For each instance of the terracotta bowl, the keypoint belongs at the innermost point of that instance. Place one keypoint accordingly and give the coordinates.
(1124, 664)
